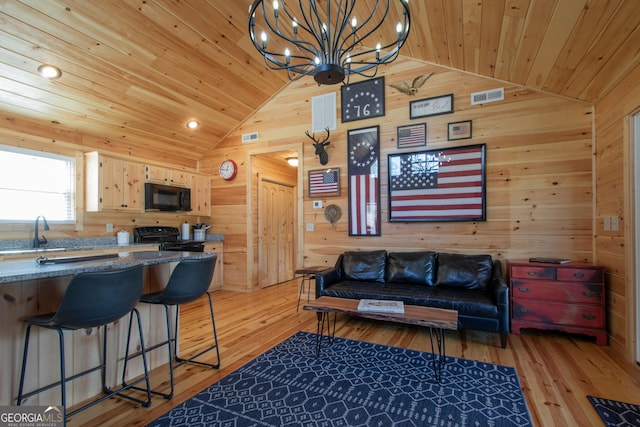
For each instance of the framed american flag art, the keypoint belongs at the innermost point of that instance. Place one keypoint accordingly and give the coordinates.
(412, 135)
(438, 185)
(363, 158)
(324, 182)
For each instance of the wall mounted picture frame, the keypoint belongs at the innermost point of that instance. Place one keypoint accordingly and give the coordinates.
(438, 185)
(324, 182)
(412, 135)
(362, 100)
(363, 157)
(433, 106)
(459, 130)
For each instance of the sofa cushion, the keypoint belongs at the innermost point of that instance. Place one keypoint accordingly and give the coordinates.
(411, 267)
(464, 271)
(364, 265)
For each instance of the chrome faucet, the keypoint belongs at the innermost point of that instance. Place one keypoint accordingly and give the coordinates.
(37, 241)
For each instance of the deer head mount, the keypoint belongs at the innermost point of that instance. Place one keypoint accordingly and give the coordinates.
(319, 146)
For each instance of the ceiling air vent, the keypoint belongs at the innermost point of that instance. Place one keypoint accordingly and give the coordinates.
(249, 137)
(492, 95)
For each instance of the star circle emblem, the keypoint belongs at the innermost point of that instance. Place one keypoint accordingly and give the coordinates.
(362, 154)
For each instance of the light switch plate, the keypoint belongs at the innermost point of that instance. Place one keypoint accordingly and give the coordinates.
(317, 204)
(109, 228)
(614, 223)
(310, 226)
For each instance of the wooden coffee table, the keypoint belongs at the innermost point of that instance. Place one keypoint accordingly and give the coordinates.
(436, 319)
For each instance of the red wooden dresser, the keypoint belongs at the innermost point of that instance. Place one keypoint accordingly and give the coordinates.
(564, 297)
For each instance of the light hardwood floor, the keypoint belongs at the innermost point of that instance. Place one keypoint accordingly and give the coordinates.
(556, 371)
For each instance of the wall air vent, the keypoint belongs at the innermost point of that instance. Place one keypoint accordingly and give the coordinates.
(492, 95)
(249, 137)
(323, 112)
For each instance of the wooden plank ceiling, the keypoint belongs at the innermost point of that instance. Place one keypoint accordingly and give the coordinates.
(137, 70)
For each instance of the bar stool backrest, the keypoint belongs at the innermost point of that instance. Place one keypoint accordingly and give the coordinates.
(98, 298)
(189, 280)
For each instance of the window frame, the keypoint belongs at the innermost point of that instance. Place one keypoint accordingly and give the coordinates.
(74, 193)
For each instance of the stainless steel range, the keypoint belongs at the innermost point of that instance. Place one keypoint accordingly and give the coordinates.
(167, 237)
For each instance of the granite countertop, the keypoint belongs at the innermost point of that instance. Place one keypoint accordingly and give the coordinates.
(22, 247)
(29, 269)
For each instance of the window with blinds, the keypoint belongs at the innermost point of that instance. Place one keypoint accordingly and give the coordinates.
(33, 183)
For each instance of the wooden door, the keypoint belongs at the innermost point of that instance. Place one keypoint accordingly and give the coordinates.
(276, 221)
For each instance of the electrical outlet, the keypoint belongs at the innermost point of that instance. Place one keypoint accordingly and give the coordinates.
(317, 204)
(109, 228)
(310, 226)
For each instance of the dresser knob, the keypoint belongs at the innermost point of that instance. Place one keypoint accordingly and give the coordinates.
(578, 275)
(531, 273)
(523, 310)
(590, 294)
(523, 289)
(589, 316)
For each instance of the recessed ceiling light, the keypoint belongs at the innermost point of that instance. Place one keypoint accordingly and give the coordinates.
(293, 161)
(49, 71)
(192, 124)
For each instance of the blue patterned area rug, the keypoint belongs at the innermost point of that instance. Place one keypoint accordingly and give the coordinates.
(355, 383)
(616, 414)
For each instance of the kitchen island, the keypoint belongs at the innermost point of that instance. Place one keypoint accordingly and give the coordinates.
(28, 288)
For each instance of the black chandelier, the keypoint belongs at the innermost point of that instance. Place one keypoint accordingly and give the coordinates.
(327, 38)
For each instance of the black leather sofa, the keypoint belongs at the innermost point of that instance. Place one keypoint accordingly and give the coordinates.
(471, 284)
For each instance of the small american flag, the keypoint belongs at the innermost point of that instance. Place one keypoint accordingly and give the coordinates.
(459, 129)
(323, 182)
(412, 136)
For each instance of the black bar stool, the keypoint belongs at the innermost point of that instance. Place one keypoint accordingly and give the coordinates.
(189, 281)
(92, 300)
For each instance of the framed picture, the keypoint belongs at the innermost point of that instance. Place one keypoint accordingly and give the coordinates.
(363, 158)
(435, 106)
(459, 130)
(362, 100)
(438, 185)
(412, 135)
(324, 182)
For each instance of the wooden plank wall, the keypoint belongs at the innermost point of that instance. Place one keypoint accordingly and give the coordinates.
(539, 173)
(614, 186)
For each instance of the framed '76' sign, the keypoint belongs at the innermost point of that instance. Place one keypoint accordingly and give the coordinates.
(362, 100)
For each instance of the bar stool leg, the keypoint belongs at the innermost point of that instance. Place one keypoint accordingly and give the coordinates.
(62, 382)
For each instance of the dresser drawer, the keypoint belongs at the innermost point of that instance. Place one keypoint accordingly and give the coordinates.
(581, 293)
(592, 275)
(531, 272)
(552, 313)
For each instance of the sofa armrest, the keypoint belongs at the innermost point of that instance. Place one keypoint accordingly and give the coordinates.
(500, 294)
(325, 279)
(498, 286)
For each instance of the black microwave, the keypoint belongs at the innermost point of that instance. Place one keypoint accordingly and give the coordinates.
(166, 198)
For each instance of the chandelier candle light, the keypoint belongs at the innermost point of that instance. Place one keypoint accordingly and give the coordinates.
(327, 38)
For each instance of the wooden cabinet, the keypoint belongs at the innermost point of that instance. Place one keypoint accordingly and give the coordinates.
(200, 194)
(564, 297)
(163, 175)
(113, 184)
(218, 274)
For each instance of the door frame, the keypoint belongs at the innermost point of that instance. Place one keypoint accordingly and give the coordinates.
(252, 241)
(631, 240)
(634, 306)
